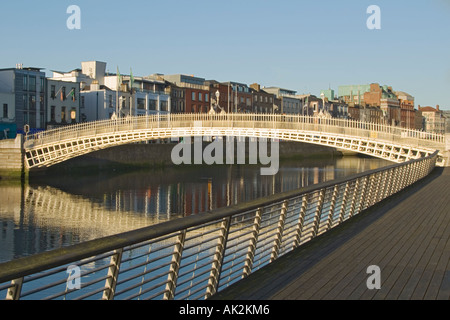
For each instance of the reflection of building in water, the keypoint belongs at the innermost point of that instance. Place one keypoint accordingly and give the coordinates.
(38, 218)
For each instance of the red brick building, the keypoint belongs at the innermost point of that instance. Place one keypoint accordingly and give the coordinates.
(407, 112)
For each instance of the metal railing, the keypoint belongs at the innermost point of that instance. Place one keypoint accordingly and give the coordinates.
(197, 256)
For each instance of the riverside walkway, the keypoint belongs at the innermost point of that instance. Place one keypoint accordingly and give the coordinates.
(407, 236)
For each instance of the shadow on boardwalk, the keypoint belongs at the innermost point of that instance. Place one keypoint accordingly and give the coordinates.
(407, 236)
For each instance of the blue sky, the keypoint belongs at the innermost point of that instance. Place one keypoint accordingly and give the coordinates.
(300, 45)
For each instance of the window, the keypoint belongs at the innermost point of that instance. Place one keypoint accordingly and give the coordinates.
(32, 102)
(42, 84)
(73, 94)
(53, 91)
(193, 96)
(141, 104)
(199, 96)
(63, 114)
(25, 102)
(5, 110)
(164, 106)
(206, 97)
(73, 115)
(32, 83)
(152, 104)
(25, 82)
(63, 93)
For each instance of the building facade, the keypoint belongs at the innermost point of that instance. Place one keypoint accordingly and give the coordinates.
(195, 91)
(8, 126)
(434, 120)
(27, 85)
(290, 103)
(407, 112)
(63, 103)
(263, 102)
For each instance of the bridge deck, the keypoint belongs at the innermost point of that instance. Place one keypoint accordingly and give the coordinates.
(407, 236)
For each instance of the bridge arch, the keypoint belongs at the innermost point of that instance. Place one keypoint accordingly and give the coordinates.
(391, 143)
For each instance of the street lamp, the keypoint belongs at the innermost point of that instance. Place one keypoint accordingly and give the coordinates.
(322, 95)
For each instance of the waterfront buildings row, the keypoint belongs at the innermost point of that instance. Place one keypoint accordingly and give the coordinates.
(31, 101)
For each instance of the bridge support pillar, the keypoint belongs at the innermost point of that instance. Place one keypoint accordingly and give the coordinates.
(12, 157)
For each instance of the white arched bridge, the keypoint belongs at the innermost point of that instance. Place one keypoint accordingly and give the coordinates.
(391, 143)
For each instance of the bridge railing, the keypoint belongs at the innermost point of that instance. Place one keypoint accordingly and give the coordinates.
(269, 121)
(197, 256)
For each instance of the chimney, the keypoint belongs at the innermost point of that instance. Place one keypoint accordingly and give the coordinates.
(437, 107)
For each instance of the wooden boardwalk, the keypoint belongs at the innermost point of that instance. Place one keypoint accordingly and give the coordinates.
(407, 236)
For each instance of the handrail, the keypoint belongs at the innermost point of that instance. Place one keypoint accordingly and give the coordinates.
(345, 123)
(295, 217)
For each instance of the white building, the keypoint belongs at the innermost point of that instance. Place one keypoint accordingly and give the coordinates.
(104, 94)
(98, 102)
(148, 95)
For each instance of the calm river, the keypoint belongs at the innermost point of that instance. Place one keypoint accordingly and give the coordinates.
(65, 210)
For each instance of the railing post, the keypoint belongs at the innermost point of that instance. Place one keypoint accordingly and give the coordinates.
(172, 278)
(216, 268)
(344, 203)
(14, 291)
(113, 274)
(366, 200)
(279, 233)
(378, 187)
(318, 213)
(301, 219)
(373, 189)
(387, 190)
(353, 203)
(332, 207)
(252, 245)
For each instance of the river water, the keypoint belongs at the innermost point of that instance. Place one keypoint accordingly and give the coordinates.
(62, 210)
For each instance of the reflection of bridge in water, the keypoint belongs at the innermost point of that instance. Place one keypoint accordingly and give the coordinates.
(62, 211)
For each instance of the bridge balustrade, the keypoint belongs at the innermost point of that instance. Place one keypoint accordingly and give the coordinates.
(392, 143)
